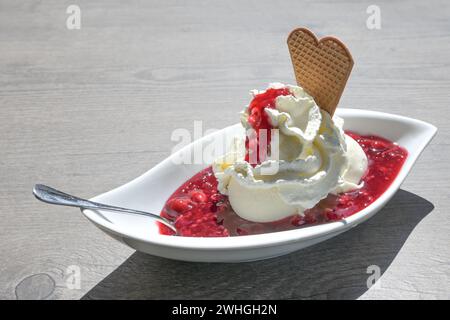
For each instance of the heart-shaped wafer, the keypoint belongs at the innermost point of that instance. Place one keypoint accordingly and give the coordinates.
(321, 67)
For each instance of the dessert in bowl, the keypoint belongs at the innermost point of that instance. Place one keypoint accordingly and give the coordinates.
(296, 173)
(151, 191)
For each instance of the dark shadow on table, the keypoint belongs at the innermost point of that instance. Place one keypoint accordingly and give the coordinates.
(334, 269)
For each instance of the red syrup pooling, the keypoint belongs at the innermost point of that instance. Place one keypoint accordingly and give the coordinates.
(199, 210)
(259, 120)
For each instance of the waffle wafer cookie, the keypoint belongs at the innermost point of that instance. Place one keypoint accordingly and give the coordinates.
(321, 67)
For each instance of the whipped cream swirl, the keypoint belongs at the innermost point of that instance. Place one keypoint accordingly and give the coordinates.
(315, 158)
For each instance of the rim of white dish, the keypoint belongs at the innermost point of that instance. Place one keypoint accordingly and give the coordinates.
(281, 237)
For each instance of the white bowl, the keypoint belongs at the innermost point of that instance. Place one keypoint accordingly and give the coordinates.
(150, 191)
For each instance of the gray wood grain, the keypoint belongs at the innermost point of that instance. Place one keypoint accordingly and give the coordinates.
(87, 110)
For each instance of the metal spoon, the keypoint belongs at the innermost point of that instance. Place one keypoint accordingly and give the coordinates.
(53, 196)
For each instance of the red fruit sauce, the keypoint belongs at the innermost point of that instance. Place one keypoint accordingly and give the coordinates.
(199, 210)
(259, 120)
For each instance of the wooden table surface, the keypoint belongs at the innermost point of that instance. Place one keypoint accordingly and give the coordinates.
(87, 110)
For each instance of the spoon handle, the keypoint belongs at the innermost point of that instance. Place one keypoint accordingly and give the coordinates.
(53, 196)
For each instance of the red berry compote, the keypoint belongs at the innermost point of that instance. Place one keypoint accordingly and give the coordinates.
(199, 210)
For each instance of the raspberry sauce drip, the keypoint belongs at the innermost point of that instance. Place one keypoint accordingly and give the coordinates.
(199, 210)
(259, 120)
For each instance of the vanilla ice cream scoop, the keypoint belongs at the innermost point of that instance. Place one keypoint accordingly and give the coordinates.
(308, 157)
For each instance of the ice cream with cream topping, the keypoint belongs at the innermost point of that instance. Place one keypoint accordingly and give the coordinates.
(295, 155)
